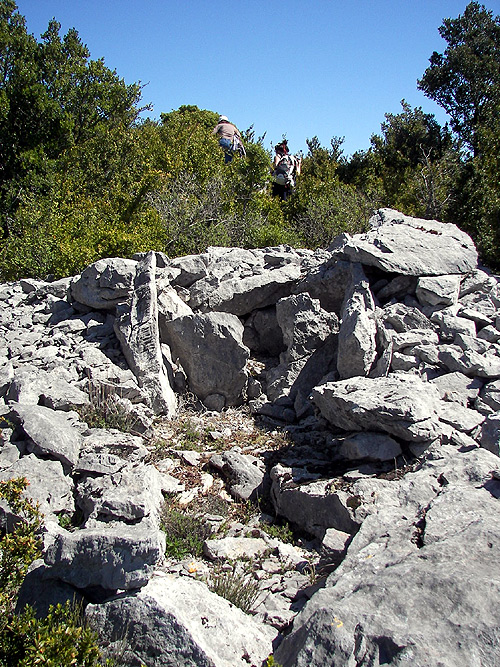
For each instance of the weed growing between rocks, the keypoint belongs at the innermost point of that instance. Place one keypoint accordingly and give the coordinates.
(279, 530)
(61, 638)
(235, 583)
(185, 532)
(105, 411)
(271, 662)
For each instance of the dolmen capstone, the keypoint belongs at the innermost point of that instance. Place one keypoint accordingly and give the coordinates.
(379, 357)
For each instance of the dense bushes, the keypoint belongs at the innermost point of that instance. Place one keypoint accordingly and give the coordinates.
(85, 178)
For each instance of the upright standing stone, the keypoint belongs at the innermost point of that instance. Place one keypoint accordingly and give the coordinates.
(136, 327)
(358, 329)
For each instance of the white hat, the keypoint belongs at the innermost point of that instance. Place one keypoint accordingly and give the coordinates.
(221, 118)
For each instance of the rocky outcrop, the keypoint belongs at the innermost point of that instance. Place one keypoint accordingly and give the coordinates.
(165, 627)
(378, 359)
(409, 574)
(408, 246)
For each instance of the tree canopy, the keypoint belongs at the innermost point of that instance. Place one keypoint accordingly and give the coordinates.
(465, 79)
(84, 176)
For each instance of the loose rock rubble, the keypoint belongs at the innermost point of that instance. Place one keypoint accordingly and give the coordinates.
(330, 418)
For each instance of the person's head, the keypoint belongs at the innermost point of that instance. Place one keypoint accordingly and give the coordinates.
(223, 119)
(282, 148)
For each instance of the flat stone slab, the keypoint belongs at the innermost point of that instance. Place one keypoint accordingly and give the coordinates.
(403, 406)
(398, 243)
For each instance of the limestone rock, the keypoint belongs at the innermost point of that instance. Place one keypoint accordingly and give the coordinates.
(310, 335)
(370, 447)
(401, 406)
(310, 503)
(401, 244)
(245, 473)
(105, 283)
(357, 345)
(137, 329)
(438, 290)
(239, 282)
(112, 557)
(50, 433)
(129, 495)
(48, 485)
(162, 621)
(490, 434)
(382, 605)
(210, 349)
(233, 548)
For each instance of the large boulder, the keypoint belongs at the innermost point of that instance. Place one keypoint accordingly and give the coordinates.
(48, 485)
(105, 283)
(241, 281)
(129, 495)
(398, 243)
(403, 406)
(49, 433)
(310, 336)
(415, 587)
(179, 621)
(111, 557)
(210, 349)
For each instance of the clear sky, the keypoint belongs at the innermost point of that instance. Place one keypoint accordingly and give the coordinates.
(302, 68)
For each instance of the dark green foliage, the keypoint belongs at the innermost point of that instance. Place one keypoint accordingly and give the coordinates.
(19, 547)
(60, 639)
(52, 98)
(82, 177)
(465, 79)
(185, 533)
(322, 206)
(412, 166)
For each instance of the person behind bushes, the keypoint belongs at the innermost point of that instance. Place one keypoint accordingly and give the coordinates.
(286, 168)
(229, 139)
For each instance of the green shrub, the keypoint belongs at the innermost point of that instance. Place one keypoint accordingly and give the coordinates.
(185, 533)
(235, 584)
(19, 548)
(58, 640)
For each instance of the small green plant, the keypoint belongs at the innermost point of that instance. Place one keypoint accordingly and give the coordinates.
(280, 531)
(310, 571)
(19, 547)
(61, 639)
(105, 411)
(190, 437)
(64, 520)
(236, 584)
(185, 533)
(271, 662)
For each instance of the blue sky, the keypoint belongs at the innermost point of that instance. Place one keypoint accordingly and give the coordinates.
(302, 68)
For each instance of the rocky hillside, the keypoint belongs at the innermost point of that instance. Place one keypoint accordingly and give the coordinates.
(275, 451)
